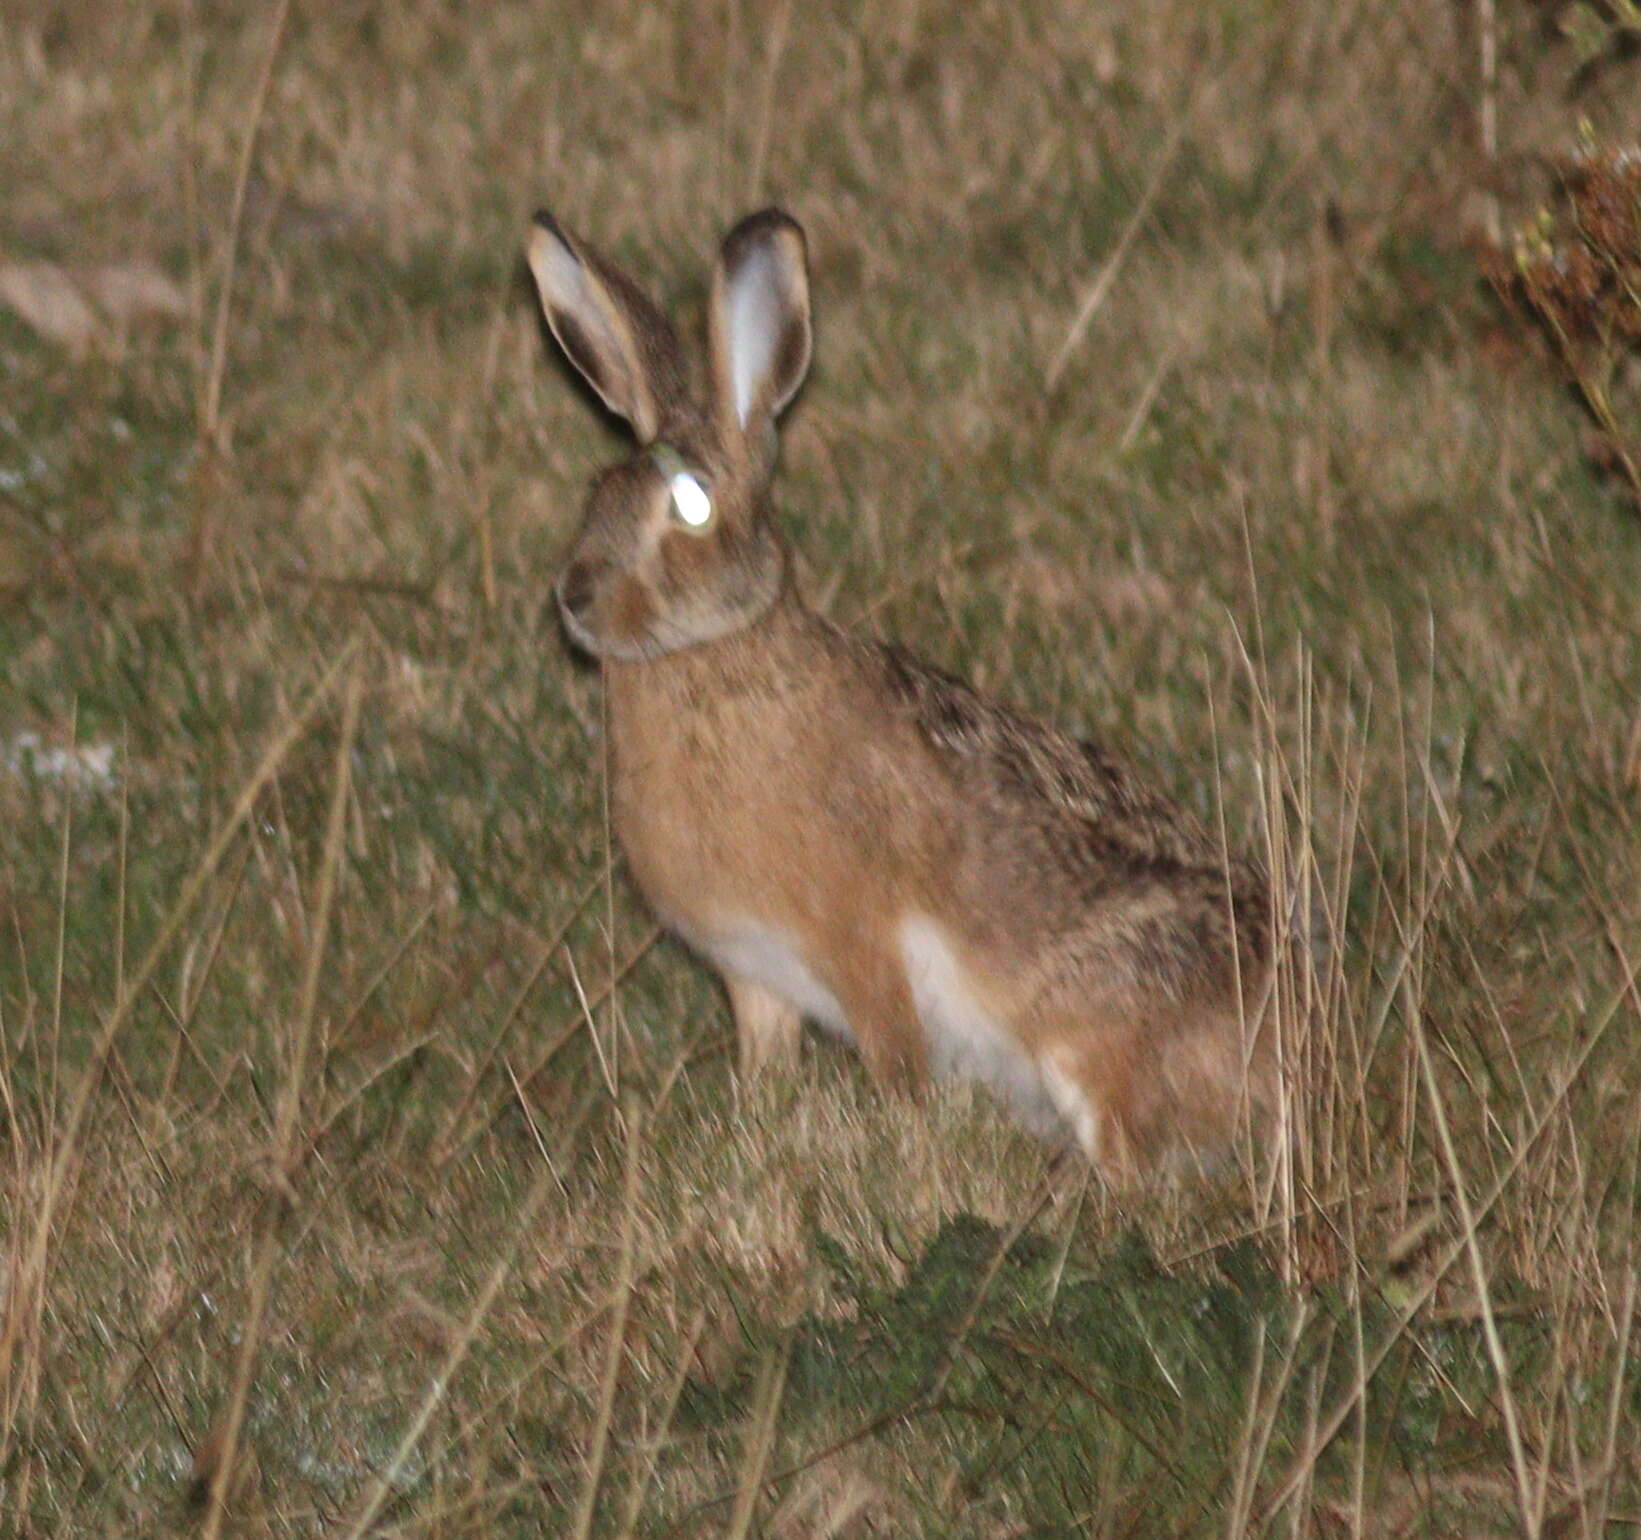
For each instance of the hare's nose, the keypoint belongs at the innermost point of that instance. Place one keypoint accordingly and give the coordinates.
(575, 587)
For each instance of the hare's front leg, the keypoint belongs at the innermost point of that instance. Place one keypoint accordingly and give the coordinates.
(873, 990)
(767, 1030)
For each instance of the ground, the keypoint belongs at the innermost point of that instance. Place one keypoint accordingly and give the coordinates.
(370, 1164)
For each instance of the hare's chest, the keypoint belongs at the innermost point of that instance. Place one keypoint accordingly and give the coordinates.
(689, 817)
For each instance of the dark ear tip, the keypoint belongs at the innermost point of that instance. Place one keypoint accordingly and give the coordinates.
(547, 233)
(765, 222)
(765, 225)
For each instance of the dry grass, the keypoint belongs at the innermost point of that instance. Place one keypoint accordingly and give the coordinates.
(371, 1167)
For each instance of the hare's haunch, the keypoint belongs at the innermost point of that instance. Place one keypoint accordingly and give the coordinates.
(850, 836)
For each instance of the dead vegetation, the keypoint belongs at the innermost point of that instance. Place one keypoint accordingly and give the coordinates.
(371, 1166)
(1576, 273)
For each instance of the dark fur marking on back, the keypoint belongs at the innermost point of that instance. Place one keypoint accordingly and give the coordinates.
(1109, 818)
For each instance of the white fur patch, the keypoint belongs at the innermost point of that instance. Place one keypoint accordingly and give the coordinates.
(753, 328)
(766, 955)
(1080, 1114)
(964, 1041)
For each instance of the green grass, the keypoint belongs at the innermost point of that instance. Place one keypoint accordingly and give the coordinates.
(1304, 524)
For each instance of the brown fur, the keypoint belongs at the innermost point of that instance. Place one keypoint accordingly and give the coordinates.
(776, 777)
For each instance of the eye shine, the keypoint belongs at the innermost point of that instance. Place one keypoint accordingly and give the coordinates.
(689, 497)
(690, 500)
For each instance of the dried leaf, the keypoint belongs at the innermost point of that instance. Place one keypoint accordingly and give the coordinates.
(94, 307)
(46, 298)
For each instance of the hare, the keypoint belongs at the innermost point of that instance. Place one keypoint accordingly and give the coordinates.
(846, 834)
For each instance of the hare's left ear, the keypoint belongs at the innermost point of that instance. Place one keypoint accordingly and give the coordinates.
(622, 345)
(759, 333)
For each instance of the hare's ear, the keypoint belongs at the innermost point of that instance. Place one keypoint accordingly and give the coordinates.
(623, 346)
(760, 320)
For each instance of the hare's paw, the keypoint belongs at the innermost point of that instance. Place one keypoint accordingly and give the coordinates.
(1088, 1086)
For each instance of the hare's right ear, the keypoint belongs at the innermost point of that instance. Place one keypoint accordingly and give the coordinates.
(623, 346)
(759, 331)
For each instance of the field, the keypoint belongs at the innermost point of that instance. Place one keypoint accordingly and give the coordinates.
(370, 1165)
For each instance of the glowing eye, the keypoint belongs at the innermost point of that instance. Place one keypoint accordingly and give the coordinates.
(690, 500)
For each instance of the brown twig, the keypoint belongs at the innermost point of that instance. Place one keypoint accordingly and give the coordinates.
(210, 410)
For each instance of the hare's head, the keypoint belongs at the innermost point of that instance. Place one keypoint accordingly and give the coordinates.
(677, 545)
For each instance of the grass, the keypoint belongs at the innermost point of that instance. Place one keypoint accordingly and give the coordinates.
(371, 1166)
